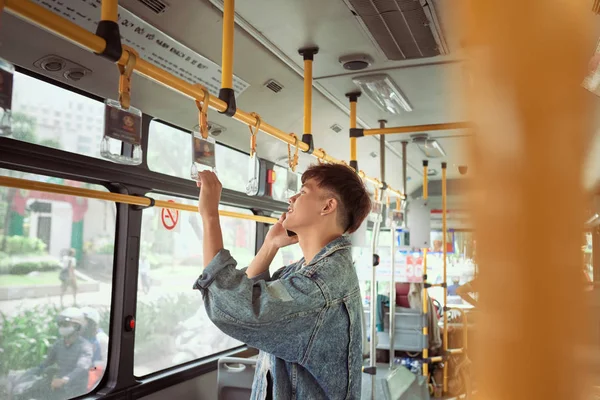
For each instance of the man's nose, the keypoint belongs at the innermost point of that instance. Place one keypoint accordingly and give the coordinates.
(292, 199)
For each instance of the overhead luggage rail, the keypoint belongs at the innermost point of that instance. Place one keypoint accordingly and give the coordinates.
(40, 16)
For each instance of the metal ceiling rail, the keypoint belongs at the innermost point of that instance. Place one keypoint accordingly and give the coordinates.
(40, 16)
(141, 201)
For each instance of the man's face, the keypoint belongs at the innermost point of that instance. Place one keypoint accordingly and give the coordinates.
(305, 207)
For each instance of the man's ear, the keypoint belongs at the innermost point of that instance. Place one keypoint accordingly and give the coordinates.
(330, 206)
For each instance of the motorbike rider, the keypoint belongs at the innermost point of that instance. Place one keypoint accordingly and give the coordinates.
(99, 341)
(72, 354)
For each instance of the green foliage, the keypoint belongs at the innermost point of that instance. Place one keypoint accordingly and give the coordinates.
(54, 143)
(16, 245)
(24, 127)
(107, 248)
(27, 337)
(163, 315)
(27, 264)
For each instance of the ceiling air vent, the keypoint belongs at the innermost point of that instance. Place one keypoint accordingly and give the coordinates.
(403, 29)
(157, 6)
(336, 128)
(274, 85)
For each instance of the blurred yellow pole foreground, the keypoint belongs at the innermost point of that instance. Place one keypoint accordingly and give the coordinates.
(527, 59)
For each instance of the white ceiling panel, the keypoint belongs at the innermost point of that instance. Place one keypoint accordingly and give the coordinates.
(431, 87)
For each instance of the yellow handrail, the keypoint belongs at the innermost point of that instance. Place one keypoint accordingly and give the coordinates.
(416, 128)
(60, 26)
(118, 198)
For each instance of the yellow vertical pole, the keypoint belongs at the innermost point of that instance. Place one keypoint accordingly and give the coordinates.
(424, 294)
(109, 10)
(353, 117)
(533, 318)
(309, 56)
(227, 45)
(308, 73)
(445, 274)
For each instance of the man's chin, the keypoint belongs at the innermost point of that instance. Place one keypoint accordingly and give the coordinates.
(288, 226)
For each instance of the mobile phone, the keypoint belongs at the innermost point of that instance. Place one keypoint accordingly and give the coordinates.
(290, 233)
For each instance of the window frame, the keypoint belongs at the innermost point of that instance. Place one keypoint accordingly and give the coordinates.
(119, 379)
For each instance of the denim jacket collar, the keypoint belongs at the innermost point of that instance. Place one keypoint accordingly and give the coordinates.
(339, 243)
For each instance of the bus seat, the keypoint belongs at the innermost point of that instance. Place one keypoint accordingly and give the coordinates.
(234, 378)
(402, 290)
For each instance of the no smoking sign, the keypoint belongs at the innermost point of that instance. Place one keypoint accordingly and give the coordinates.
(169, 217)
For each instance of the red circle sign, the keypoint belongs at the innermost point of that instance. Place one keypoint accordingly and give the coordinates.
(169, 217)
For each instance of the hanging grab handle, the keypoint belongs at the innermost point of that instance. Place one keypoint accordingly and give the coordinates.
(293, 161)
(322, 159)
(125, 78)
(203, 111)
(253, 133)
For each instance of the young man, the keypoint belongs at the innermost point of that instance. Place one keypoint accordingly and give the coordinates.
(306, 318)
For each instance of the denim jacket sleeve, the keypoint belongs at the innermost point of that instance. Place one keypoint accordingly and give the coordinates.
(278, 317)
(266, 276)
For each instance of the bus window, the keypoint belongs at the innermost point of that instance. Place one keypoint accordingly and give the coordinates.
(51, 116)
(56, 267)
(170, 153)
(280, 184)
(172, 325)
(287, 255)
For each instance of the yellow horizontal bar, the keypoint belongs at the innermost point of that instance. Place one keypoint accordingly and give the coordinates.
(66, 29)
(416, 128)
(118, 198)
(455, 351)
(436, 359)
(62, 27)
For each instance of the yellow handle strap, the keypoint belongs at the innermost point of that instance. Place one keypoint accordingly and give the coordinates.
(293, 161)
(203, 111)
(253, 133)
(322, 159)
(125, 78)
(398, 204)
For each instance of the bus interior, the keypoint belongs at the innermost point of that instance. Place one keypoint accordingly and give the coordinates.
(375, 84)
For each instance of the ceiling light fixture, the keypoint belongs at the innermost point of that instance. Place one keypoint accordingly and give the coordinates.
(384, 92)
(430, 147)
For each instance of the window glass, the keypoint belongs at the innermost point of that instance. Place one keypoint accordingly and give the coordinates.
(56, 252)
(280, 184)
(280, 187)
(286, 256)
(35, 100)
(459, 263)
(170, 152)
(172, 326)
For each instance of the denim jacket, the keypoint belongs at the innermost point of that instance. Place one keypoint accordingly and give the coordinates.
(305, 320)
